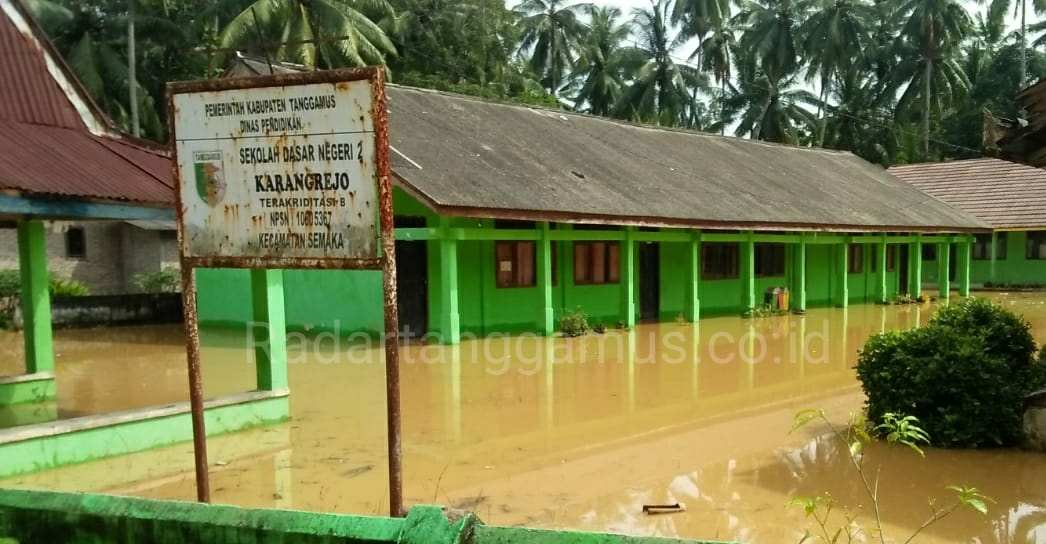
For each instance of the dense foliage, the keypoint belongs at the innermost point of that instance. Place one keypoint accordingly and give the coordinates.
(893, 81)
(964, 375)
(11, 289)
(167, 280)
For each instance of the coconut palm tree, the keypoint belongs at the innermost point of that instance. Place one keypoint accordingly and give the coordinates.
(930, 39)
(716, 56)
(93, 44)
(661, 89)
(1020, 7)
(771, 35)
(699, 17)
(833, 37)
(769, 107)
(315, 33)
(599, 70)
(552, 33)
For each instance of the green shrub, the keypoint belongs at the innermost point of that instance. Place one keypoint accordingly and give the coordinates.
(964, 375)
(573, 323)
(164, 281)
(11, 286)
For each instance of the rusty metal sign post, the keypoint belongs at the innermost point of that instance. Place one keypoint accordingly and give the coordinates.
(285, 171)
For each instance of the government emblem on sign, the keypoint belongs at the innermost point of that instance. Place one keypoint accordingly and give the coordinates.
(210, 176)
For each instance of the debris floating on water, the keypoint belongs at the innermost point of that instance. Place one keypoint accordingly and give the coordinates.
(653, 509)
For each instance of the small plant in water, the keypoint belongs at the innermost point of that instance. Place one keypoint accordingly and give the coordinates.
(574, 323)
(599, 328)
(895, 429)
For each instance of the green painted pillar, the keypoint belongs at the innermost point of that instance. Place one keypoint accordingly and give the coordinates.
(36, 301)
(800, 274)
(748, 272)
(450, 321)
(943, 283)
(546, 317)
(995, 244)
(628, 279)
(843, 289)
(915, 268)
(881, 257)
(270, 329)
(962, 273)
(693, 280)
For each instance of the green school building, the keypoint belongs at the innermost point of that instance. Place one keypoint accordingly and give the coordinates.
(1010, 197)
(507, 216)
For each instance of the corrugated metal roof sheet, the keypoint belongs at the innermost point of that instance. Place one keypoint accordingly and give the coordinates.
(54, 139)
(483, 158)
(1002, 193)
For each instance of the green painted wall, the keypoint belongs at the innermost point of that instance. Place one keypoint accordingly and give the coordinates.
(1015, 268)
(352, 301)
(25, 455)
(43, 516)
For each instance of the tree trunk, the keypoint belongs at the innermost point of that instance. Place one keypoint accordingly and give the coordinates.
(927, 73)
(132, 79)
(822, 111)
(1024, 44)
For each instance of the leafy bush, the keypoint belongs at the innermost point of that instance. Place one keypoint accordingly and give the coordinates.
(11, 286)
(573, 323)
(164, 281)
(964, 375)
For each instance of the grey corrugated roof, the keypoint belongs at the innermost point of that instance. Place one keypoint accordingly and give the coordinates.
(1004, 194)
(470, 157)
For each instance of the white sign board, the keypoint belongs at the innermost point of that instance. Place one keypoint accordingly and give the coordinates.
(278, 172)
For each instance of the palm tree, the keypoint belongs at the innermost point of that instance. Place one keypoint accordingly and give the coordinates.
(661, 90)
(91, 42)
(599, 70)
(716, 55)
(931, 35)
(834, 36)
(699, 17)
(553, 32)
(770, 35)
(315, 33)
(768, 107)
(1020, 7)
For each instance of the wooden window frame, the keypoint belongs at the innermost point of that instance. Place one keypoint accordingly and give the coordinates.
(732, 270)
(762, 251)
(890, 259)
(517, 252)
(855, 258)
(597, 263)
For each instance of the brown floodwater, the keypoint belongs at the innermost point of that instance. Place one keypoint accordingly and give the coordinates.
(562, 433)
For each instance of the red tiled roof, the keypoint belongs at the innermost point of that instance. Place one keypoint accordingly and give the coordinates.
(54, 139)
(1002, 193)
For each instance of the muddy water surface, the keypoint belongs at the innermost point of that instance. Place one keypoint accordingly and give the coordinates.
(565, 433)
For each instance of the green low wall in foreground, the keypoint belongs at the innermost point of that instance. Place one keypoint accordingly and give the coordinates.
(48, 517)
(41, 446)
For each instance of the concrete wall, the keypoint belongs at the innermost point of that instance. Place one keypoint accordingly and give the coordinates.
(137, 309)
(114, 253)
(41, 516)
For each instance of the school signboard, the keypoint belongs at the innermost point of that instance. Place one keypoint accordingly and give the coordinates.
(279, 172)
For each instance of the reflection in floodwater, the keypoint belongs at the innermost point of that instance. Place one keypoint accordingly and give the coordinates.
(567, 433)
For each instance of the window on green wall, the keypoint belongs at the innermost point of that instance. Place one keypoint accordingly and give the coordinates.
(855, 258)
(982, 247)
(719, 260)
(889, 259)
(515, 264)
(1036, 245)
(769, 260)
(597, 263)
(929, 252)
